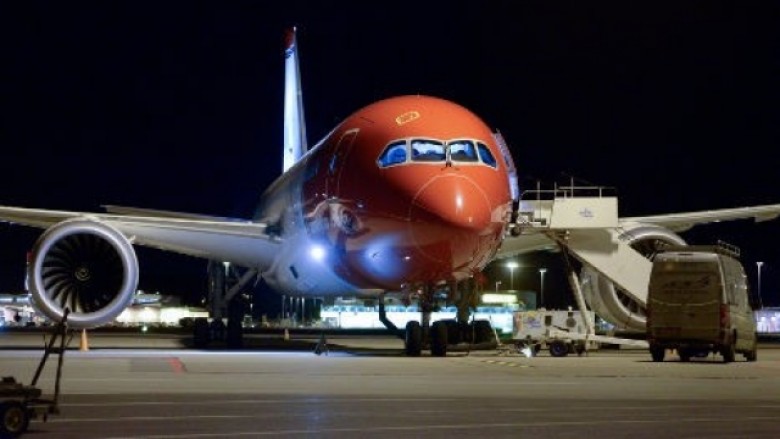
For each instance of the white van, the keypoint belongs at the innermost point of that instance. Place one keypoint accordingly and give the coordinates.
(698, 303)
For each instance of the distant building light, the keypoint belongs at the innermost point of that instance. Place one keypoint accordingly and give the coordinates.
(499, 298)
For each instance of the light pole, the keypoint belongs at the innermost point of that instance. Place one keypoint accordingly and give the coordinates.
(760, 264)
(541, 286)
(512, 265)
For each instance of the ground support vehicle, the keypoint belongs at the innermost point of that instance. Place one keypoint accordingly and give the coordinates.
(561, 332)
(20, 403)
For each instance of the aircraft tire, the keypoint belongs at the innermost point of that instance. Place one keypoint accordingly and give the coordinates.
(201, 333)
(439, 339)
(235, 334)
(483, 331)
(413, 339)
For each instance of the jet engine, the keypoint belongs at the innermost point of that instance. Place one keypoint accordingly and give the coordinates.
(606, 299)
(84, 265)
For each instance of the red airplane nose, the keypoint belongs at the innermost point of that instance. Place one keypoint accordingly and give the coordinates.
(449, 216)
(452, 201)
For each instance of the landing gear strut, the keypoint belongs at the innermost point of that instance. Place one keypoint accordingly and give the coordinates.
(225, 282)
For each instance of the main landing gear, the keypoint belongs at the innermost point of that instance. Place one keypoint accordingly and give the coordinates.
(226, 281)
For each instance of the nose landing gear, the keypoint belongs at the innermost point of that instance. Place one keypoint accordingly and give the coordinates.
(446, 335)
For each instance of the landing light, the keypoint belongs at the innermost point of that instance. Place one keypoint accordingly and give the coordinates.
(317, 252)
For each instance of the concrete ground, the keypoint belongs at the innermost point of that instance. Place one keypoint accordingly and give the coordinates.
(128, 386)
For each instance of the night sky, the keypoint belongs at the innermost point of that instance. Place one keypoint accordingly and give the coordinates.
(177, 105)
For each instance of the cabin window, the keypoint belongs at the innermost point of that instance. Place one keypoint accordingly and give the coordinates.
(394, 154)
(463, 151)
(486, 155)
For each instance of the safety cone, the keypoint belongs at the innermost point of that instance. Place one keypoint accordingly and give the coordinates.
(286, 335)
(84, 344)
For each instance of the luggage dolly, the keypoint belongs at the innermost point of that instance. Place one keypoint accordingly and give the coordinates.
(20, 403)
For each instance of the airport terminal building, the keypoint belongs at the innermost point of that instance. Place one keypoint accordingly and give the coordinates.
(346, 313)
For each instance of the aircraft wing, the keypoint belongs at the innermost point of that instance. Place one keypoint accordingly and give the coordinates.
(227, 239)
(680, 222)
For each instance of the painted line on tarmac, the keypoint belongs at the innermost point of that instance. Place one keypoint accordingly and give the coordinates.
(441, 427)
(505, 363)
(153, 353)
(306, 401)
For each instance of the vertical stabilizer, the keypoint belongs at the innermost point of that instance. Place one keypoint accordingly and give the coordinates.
(294, 125)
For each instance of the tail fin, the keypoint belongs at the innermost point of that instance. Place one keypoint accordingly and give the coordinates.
(294, 124)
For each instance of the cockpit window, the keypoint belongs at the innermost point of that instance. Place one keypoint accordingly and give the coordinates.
(462, 151)
(394, 154)
(486, 155)
(409, 151)
(427, 151)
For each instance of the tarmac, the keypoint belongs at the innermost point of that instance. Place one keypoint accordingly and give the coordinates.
(153, 386)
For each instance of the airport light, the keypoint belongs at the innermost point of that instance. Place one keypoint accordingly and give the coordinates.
(759, 264)
(512, 265)
(541, 286)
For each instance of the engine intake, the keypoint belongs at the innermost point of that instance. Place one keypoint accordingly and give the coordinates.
(609, 301)
(86, 266)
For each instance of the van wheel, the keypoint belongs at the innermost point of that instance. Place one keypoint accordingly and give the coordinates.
(752, 355)
(685, 355)
(657, 352)
(728, 352)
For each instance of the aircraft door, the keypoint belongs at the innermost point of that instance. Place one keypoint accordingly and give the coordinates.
(510, 166)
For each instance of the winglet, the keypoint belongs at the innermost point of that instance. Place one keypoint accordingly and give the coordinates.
(295, 145)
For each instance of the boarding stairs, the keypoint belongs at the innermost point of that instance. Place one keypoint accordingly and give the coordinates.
(584, 219)
(583, 222)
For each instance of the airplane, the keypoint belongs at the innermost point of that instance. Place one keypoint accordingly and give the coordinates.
(412, 193)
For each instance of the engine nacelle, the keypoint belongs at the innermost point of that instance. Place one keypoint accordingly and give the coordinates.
(607, 300)
(84, 265)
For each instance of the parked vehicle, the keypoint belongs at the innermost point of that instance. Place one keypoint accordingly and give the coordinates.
(698, 303)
